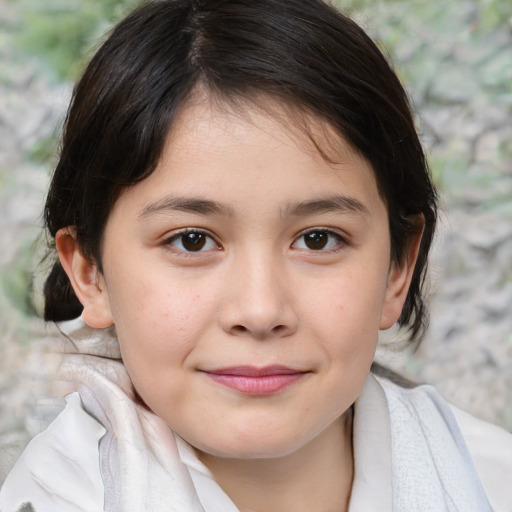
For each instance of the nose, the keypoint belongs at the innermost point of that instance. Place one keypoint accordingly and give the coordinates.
(257, 301)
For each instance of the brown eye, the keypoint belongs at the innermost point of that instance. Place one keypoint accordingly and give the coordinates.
(319, 240)
(316, 240)
(192, 241)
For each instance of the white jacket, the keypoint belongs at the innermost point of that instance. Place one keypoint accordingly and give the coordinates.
(412, 452)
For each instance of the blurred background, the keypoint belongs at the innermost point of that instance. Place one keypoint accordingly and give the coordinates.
(456, 61)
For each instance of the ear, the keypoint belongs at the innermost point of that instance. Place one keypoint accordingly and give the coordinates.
(86, 280)
(399, 280)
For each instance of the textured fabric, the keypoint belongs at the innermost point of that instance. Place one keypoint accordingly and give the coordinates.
(491, 450)
(431, 466)
(59, 470)
(104, 452)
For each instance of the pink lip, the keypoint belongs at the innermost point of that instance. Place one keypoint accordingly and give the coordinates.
(256, 381)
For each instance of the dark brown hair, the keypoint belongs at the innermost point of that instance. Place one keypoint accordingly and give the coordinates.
(302, 53)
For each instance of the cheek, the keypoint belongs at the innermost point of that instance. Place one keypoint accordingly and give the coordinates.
(350, 303)
(156, 342)
(158, 325)
(157, 299)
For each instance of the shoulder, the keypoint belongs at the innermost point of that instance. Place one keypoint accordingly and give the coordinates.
(489, 446)
(491, 450)
(59, 469)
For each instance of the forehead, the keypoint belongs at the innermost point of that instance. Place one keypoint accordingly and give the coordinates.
(283, 120)
(259, 156)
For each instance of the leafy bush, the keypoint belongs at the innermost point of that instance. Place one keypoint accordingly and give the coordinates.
(61, 32)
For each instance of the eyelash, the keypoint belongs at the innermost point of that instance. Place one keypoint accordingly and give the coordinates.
(179, 237)
(208, 241)
(338, 244)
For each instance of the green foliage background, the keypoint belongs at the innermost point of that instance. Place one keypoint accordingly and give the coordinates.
(63, 33)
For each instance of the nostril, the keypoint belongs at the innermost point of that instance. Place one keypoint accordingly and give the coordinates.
(278, 330)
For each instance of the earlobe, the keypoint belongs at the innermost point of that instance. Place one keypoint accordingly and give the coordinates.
(399, 280)
(86, 280)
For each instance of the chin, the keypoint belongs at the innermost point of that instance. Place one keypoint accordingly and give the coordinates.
(255, 446)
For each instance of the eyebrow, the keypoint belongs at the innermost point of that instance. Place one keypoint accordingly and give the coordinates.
(186, 204)
(339, 204)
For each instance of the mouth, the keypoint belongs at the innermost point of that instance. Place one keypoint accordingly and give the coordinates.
(256, 381)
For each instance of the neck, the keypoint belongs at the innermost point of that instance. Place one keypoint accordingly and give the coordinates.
(317, 477)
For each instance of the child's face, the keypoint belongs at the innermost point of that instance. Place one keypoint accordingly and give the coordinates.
(246, 254)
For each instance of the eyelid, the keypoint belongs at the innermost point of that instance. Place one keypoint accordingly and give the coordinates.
(343, 239)
(174, 235)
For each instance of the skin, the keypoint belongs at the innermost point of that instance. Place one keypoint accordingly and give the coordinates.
(258, 293)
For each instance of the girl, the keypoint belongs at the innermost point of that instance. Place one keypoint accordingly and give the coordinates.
(240, 205)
